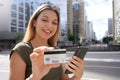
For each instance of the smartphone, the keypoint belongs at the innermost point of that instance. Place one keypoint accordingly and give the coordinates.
(80, 52)
(55, 56)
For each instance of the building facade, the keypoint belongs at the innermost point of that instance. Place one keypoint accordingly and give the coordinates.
(76, 18)
(14, 18)
(110, 26)
(16, 14)
(90, 34)
(69, 16)
(116, 20)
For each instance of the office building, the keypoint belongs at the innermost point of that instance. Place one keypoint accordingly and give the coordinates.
(15, 15)
(90, 34)
(76, 18)
(116, 20)
(110, 26)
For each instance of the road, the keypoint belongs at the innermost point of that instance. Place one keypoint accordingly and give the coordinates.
(102, 65)
(98, 66)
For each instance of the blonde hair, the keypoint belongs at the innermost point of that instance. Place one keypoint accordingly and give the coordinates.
(30, 32)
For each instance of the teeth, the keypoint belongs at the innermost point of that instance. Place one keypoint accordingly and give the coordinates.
(47, 31)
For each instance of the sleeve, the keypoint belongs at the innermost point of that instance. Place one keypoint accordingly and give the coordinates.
(21, 49)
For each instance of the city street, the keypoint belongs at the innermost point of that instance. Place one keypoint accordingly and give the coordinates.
(98, 66)
(102, 65)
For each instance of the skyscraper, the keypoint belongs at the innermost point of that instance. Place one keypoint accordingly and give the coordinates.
(76, 18)
(110, 26)
(116, 19)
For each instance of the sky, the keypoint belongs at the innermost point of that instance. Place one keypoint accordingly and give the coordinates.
(97, 11)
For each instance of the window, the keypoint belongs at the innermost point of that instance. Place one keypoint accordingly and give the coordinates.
(13, 29)
(21, 9)
(20, 2)
(20, 29)
(20, 23)
(14, 22)
(21, 16)
(13, 14)
(14, 6)
(26, 25)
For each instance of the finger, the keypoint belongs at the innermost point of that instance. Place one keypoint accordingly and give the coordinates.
(49, 48)
(39, 49)
(43, 48)
(73, 66)
(33, 56)
(37, 58)
(78, 59)
(53, 65)
(74, 62)
(70, 69)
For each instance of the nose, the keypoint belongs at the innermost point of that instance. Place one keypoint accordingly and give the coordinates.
(49, 24)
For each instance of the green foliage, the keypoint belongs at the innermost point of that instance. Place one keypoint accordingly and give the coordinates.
(71, 37)
(107, 39)
(118, 40)
(76, 39)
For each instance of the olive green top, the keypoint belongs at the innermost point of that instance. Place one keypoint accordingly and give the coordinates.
(24, 49)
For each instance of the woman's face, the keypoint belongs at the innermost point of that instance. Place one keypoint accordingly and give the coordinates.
(46, 24)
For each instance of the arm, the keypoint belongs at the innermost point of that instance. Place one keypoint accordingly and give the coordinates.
(39, 69)
(17, 67)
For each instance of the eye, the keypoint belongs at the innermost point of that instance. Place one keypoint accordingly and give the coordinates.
(44, 20)
(55, 23)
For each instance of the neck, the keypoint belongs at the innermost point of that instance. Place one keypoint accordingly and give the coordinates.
(37, 42)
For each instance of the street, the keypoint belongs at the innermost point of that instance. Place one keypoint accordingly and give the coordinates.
(102, 65)
(98, 66)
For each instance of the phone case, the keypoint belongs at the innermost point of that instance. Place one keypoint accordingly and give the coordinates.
(80, 52)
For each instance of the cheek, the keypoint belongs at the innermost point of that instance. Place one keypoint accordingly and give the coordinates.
(55, 29)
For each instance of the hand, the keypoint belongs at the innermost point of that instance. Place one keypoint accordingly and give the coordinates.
(76, 66)
(39, 69)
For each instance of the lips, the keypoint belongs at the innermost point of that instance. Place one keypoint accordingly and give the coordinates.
(47, 31)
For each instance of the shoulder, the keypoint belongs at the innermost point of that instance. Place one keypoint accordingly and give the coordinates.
(23, 49)
(21, 45)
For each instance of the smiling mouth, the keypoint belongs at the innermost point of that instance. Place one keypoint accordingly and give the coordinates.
(47, 31)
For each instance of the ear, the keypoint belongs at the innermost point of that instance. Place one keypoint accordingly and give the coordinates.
(34, 23)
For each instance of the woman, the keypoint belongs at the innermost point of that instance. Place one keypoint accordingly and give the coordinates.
(27, 57)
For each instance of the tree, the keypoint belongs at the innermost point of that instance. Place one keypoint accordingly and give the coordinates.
(71, 37)
(107, 39)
